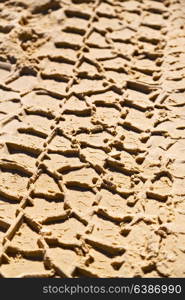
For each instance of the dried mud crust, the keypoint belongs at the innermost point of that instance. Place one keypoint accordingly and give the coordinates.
(92, 139)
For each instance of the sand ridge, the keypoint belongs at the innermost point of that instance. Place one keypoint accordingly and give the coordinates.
(92, 138)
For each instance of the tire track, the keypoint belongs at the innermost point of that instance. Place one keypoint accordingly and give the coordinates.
(102, 90)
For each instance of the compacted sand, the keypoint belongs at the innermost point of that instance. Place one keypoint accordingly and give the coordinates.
(92, 138)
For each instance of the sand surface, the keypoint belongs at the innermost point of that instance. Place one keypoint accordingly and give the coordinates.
(92, 138)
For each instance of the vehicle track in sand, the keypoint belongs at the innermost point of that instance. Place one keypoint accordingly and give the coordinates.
(92, 97)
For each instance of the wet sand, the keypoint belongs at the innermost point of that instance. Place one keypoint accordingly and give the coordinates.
(92, 138)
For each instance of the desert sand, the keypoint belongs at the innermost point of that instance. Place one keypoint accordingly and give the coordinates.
(92, 138)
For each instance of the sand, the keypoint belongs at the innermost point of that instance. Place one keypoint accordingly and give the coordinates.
(92, 138)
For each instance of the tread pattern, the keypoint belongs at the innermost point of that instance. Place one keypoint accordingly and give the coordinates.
(92, 138)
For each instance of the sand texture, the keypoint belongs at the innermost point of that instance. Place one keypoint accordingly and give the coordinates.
(92, 138)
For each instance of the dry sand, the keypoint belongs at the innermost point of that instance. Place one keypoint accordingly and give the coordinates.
(92, 138)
